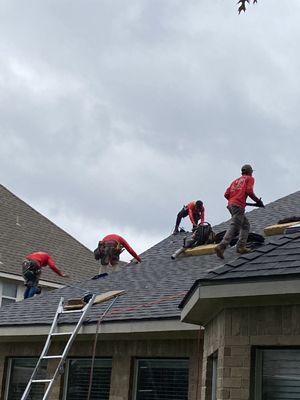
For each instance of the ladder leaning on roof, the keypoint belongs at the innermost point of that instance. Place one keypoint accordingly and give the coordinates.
(62, 357)
(72, 335)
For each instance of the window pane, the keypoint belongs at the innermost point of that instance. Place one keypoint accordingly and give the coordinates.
(21, 370)
(162, 380)
(5, 301)
(78, 379)
(280, 374)
(9, 289)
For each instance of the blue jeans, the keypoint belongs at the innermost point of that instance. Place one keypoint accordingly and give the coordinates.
(30, 292)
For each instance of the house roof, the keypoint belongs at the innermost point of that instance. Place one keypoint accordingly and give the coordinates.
(280, 256)
(24, 230)
(153, 288)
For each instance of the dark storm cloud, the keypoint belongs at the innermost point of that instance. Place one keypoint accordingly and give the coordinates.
(113, 114)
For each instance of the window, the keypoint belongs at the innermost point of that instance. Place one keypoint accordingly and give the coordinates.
(211, 376)
(19, 373)
(277, 374)
(8, 292)
(78, 375)
(161, 379)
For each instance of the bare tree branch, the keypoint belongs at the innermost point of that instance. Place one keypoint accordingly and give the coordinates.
(242, 4)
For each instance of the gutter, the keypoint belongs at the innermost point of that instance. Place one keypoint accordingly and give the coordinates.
(107, 329)
(219, 282)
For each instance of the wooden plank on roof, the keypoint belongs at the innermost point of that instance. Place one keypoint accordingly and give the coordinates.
(108, 295)
(201, 250)
(278, 229)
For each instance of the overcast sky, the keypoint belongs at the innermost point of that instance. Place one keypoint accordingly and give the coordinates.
(115, 113)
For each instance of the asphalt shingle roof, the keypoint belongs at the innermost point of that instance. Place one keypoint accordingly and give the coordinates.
(154, 288)
(280, 256)
(24, 230)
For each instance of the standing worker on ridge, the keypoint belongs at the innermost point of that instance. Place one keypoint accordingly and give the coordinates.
(236, 194)
(195, 210)
(32, 268)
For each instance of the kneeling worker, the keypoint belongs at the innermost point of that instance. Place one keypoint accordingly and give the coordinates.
(110, 248)
(195, 210)
(32, 268)
(236, 194)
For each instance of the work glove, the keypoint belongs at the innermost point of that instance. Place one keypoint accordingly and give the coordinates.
(259, 203)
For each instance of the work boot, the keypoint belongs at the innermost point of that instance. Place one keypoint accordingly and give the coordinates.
(243, 250)
(219, 250)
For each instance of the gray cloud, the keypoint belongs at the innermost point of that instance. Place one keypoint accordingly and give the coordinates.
(114, 114)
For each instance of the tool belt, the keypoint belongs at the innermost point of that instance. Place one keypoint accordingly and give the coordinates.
(31, 271)
(109, 251)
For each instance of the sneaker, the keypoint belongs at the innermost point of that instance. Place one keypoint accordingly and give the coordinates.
(243, 250)
(220, 252)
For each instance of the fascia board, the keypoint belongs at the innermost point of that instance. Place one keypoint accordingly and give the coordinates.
(246, 289)
(130, 327)
(208, 300)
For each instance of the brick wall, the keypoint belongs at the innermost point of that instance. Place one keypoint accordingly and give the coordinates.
(233, 332)
(122, 353)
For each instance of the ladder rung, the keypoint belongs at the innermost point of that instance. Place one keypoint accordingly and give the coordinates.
(51, 357)
(61, 333)
(72, 311)
(41, 380)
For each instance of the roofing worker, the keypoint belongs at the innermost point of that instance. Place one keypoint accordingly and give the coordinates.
(32, 268)
(236, 194)
(195, 210)
(110, 248)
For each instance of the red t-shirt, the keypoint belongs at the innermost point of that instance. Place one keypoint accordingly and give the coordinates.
(192, 211)
(239, 190)
(43, 260)
(123, 243)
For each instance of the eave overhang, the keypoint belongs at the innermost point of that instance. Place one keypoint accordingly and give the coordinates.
(208, 297)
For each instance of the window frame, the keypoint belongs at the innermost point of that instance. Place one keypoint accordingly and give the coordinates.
(67, 371)
(136, 366)
(257, 365)
(214, 376)
(8, 371)
(2, 296)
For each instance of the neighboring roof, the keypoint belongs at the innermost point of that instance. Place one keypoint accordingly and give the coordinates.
(155, 287)
(24, 230)
(280, 256)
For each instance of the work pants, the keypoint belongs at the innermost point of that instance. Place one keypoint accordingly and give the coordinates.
(239, 225)
(31, 274)
(30, 291)
(182, 214)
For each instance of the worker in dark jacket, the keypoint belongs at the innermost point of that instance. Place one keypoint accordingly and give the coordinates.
(236, 194)
(195, 210)
(32, 268)
(110, 248)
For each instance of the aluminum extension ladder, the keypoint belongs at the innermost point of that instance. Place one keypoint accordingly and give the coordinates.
(62, 357)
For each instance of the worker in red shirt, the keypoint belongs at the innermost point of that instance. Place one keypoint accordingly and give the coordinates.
(32, 268)
(236, 194)
(195, 210)
(110, 248)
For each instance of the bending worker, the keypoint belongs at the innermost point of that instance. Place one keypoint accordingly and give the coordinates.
(32, 268)
(195, 210)
(110, 248)
(236, 194)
